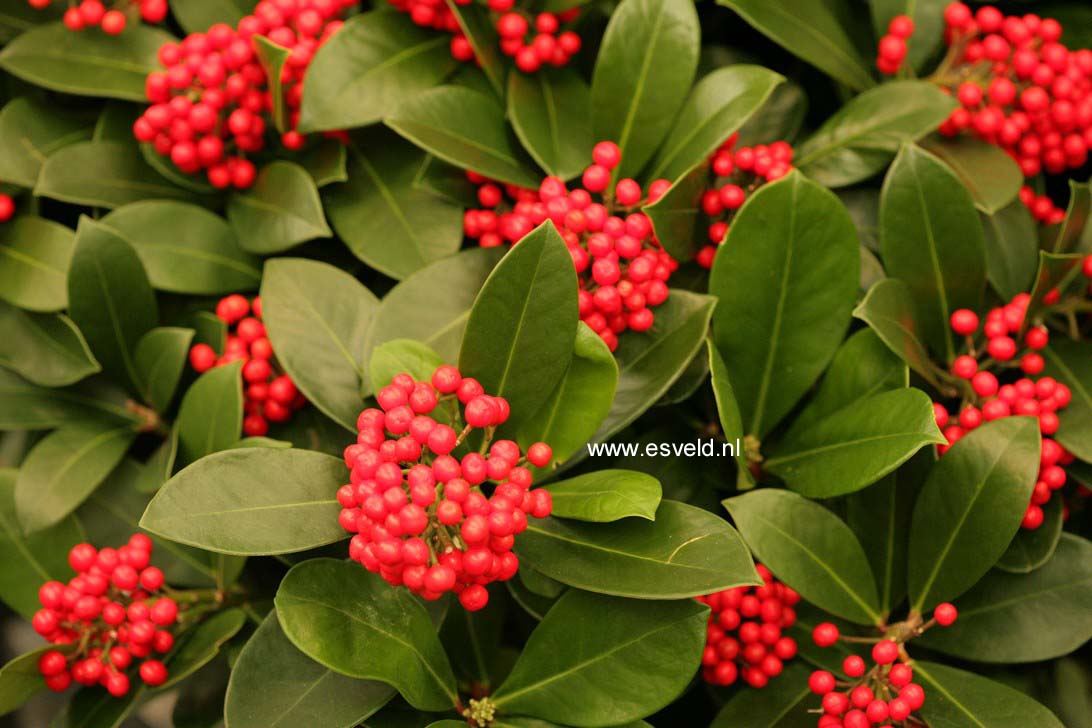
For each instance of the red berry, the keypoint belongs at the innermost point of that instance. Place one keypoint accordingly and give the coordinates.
(825, 634)
(885, 652)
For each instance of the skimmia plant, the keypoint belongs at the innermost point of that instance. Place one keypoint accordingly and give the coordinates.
(545, 363)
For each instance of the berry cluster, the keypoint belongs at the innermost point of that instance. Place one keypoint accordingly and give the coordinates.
(623, 270)
(892, 48)
(109, 613)
(884, 694)
(92, 13)
(737, 173)
(745, 630)
(1020, 88)
(271, 396)
(1041, 398)
(419, 515)
(212, 105)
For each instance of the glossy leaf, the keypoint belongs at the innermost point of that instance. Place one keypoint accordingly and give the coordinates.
(350, 620)
(27, 406)
(185, 248)
(251, 501)
(928, 17)
(579, 403)
(103, 174)
(863, 136)
(20, 680)
(731, 424)
(274, 685)
(520, 333)
(199, 645)
(86, 64)
(398, 356)
(29, 561)
(477, 24)
(316, 317)
(606, 495)
(970, 507)
(677, 215)
(991, 176)
(281, 210)
(465, 128)
(1011, 249)
(860, 444)
(1055, 272)
(958, 698)
(651, 361)
(784, 703)
(94, 708)
(433, 304)
(685, 552)
(1031, 548)
(811, 32)
(35, 130)
(326, 162)
(63, 469)
(272, 58)
(1043, 614)
(197, 16)
(18, 18)
(384, 220)
(1073, 235)
(717, 107)
(45, 348)
(810, 549)
(888, 310)
(160, 358)
(550, 112)
(211, 414)
(786, 279)
(374, 63)
(579, 669)
(1070, 363)
(932, 240)
(643, 73)
(34, 257)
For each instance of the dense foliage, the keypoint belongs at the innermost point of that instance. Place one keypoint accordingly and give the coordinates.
(553, 363)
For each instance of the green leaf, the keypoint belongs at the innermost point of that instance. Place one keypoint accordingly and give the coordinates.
(479, 28)
(731, 424)
(651, 361)
(385, 221)
(718, 106)
(20, 680)
(991, 176)
(29, 560)
(325, 162)
(1070, 363)
(272, 58)
(45, 348)
(251, 502)
(932, 240)
(34, 259)
(447, 181)
(86, 64)
(675, 216)
(398, 356)
(465, 128)
(863, 136)
(274, 685)
(26, 406)
(35, 130)
(280, 211)
(92, 707)
(784, 703)
(861, 443)
(160, 358)
(433, 304)
(580, 401)
(185, 248)
(1073, 236)
(197, 16)
(550, 112)
(928, 17)
(1011, 249)
(103, 174)
(63, 469)
(199, 645)
(1030, 549)
(109, 298)
(810, 549)
(606, 495)
(643, 73)
(1055, 272)
(316, 317)
(211, 414)
(960, 699)
(811, 32)
(970, 508)
(685, 552)
(786, 278)
(18, 18)
(888, 310)
(351, 621)
(520, 335)
(377, 61)
(574, 654)
(1043, 614)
